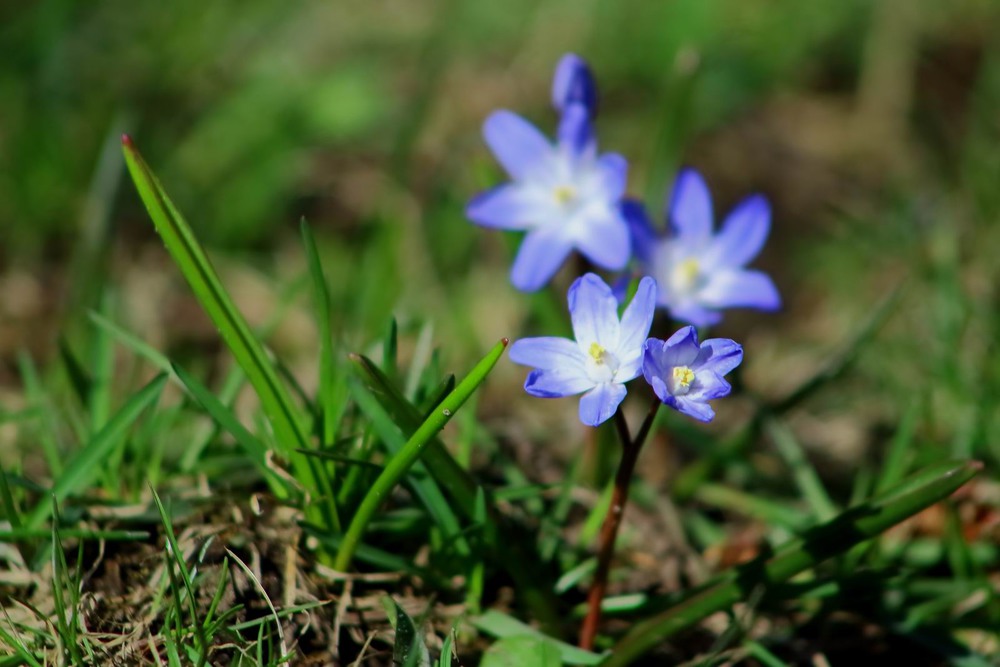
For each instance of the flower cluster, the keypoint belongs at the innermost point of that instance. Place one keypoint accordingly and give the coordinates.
(568, 197)
(608, 352)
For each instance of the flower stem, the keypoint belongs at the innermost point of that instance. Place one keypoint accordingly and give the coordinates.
(609, 529)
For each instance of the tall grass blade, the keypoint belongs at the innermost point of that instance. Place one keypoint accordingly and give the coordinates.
(399, 464)
(508, 545)
(420, 482)
(331, 395)
(197, 269)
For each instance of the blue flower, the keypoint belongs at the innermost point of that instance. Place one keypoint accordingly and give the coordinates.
(686, 375)
(606, 354)
(574, 84)
(699, 273)
(564, 195)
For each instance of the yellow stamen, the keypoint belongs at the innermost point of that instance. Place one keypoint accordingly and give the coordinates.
(689, 270)
(597, 353)
(564, 194)
(683, 376)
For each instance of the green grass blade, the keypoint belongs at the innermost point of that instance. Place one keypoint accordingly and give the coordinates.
(10, 509)
(817, 545)
(197, 269)
(399, 464)
(420, 482)
(509, 545)
(455, 481)
(14, 642)
(804, 474)
(750, 505)
(15, 535)
(37, 397)
(900, 447)
(224, 417)
(408, 649)
(102, 361)
(131, 341)
(330, 395)
(175, 554)
(87, 465)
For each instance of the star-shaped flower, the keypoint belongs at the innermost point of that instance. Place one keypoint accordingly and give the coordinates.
(686, 375)
(699, 273)
(563, 194)
(606, 354)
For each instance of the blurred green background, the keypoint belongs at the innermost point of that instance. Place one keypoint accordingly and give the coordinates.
(874, 127)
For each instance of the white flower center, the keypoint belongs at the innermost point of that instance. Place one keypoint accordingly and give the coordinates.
(601, 364)
(686, 276)
(564, 195)
(680, 380)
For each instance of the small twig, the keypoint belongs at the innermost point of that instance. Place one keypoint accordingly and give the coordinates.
(612, 522)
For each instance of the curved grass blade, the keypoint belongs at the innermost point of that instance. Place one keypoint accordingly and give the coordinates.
(197, 269)
(87, 465)
(408, 649)
(422, 484)
(449, 474)
(509, 545)
(856, 525)
(399, 464)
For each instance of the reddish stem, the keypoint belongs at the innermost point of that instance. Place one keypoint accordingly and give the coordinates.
(613, 520)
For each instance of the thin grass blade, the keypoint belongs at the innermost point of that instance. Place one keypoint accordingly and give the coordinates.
(197, 269)
(399, 464)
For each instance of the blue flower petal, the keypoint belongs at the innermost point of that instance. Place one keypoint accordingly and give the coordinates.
(658, 385)
(575, 133)
(574, 83)
(690, 209)
(720, 355)
(547, 352)
(742, 235)
(635, 323)
(644, 237)
(708, 385)
(517, 144)
(557, 383)
(681, 349)
(506, 206)
(542, 252)
(740, 288)
(593, 310)
(606, 242)
(614, 174)
(693, 408)
(600, 403)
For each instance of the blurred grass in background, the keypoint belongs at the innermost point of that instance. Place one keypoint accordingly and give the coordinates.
(873, 126)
